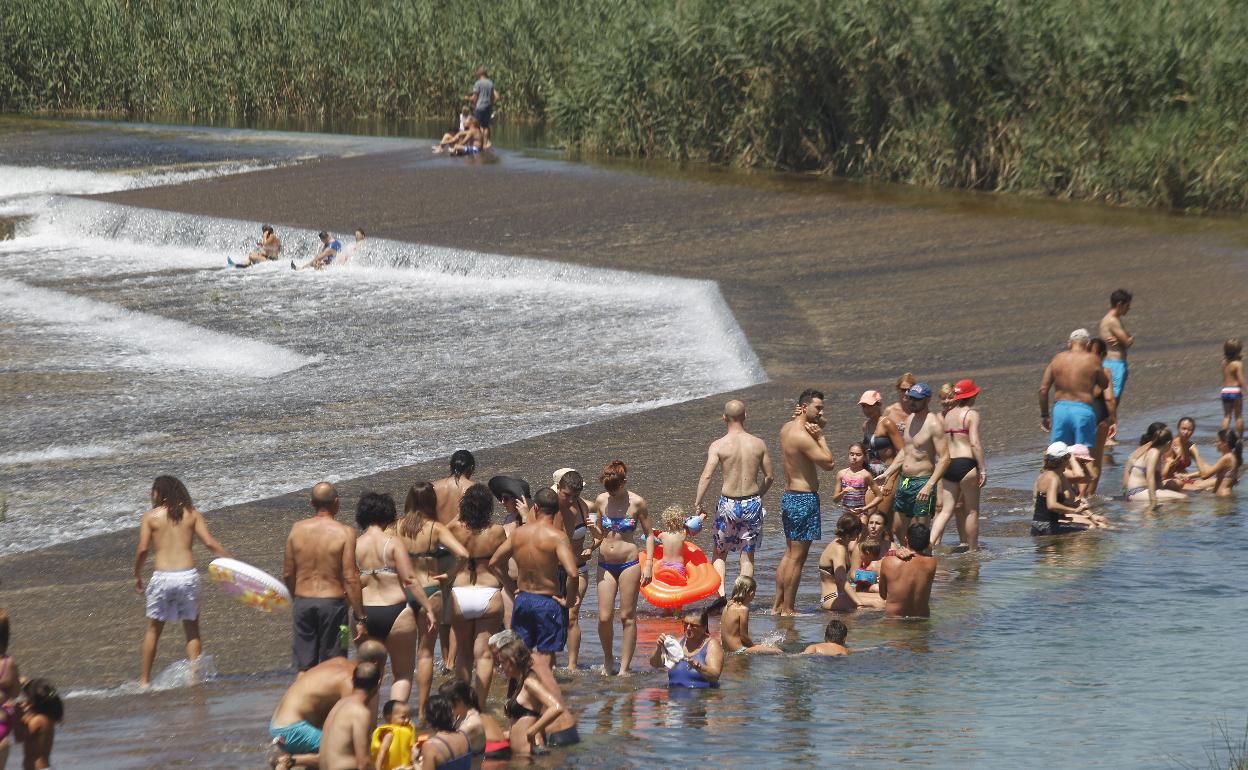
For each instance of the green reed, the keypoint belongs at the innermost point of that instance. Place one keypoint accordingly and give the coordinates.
(1124, 101)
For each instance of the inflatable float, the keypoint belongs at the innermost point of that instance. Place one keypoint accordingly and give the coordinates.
(669, 589)
(249, 585)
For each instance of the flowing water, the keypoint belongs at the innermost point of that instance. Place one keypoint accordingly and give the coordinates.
(128, 349)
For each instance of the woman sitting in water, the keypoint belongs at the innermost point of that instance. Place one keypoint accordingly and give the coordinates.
(1056, 509)
(622, 513)
(386, 580)
(1142, 476)
(485, 737)
(530, 706)
(1178, 459)
(878, 528)
(477, 596)
(446, 749)
(838, 590)
(734, 624)
(39, 716)
(1222, 476)
(696, 659)
(268, 247)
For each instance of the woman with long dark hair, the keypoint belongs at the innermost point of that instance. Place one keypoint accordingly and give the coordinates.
(620, 514)
(477, 595)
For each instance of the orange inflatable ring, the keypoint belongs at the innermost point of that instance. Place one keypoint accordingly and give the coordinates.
(669, 589)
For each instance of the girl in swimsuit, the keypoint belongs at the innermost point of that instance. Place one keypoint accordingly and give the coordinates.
(1106, 409)
(1233, 385)
(672, 537)
(448, 748)
(530, 706)
(853, 484)
(10, 688)
(1222, 476)
(385, 571)
(622, 513)
(427, 541)
(839, 594)
(967, 472)
(477, 611)
(1178, 459)
(1142, 476)
(485, 737)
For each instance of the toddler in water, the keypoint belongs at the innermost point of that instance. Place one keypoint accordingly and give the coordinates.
(1233, 385)
(734, 625)
(673, 538)
(394, 743)
(853, 482)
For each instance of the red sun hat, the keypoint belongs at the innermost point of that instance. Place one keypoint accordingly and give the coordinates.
(965, 389)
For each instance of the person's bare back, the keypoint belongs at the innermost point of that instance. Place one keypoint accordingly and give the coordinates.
(314, 693)
(906, 586)
(346, 729)
(1074, 375)
(734, 627)
(172, 540)
(321, 552)
(741, 456)
(539, 552)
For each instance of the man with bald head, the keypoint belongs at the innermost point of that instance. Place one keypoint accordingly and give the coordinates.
(747, 475)
(321, 574)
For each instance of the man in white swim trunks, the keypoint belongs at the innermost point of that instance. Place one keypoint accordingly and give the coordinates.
(173, 591)
(739, 515)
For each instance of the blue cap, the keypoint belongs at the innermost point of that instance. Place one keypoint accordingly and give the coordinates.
(920, 390)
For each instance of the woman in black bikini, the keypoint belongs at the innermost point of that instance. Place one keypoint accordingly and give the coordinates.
(427, 542)
(967, 473)
(385, 573)
(882, 439)
(530, 706)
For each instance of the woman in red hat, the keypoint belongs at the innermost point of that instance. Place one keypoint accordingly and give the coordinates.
(967, 472)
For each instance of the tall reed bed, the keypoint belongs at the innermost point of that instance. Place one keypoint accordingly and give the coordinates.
(1126, 101)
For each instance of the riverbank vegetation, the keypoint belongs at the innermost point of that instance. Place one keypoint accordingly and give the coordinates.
(1124, 101)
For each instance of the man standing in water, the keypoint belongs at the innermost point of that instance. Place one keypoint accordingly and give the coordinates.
(173, 591)
(804, 451)
(321, 574)
(922, 461)
(1073, 375)
(541, 548)
(483, 97)
(739, 515)
(1117, 340)
(906, 585)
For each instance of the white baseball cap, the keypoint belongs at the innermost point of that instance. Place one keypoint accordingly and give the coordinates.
(1080, 334)
(1058, 449)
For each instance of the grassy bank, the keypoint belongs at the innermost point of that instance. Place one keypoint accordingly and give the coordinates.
(1126, 101)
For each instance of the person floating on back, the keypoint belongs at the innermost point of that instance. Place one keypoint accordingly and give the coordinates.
(173, 590)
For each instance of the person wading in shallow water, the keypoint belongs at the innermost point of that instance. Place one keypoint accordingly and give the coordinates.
(739, 514)
(922, 461)
(906, 585)
(1119, 342)
(804, 451)
(1073, 375)
(450, 490)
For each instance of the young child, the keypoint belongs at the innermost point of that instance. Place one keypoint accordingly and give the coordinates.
(853, 482)
(867, 574)
(734, 626)
(1233, 385)
(394, 743)
(673, 538)
(41, 712)
(833, 640)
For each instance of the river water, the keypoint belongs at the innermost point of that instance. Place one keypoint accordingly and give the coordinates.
(128, 349)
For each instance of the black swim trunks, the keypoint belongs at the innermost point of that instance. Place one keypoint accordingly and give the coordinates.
(316, 635)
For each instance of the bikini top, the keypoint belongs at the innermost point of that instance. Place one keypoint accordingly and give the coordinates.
(433, 551)
(384, 569)
(462, 762)
(621, 524)
(963, 429)
(513, 709)
(582, 529)
(875, 443)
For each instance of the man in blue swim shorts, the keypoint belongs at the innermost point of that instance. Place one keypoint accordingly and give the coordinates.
(1117, 341)
(922, 461)
(804, 451)
(300, 715)
(747, 475)
(1073, 375)
(540, 549)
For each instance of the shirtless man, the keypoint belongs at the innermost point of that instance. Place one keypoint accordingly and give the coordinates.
(302, 711)
(173, 592)
(349, 726)
(833, 640)
(268, 247)
(739, 515)
(320, 571)
(1073, 375)
(470, 141)
(541, 549)
(450, 490)
(896, 411)
(1116, 339)
(574, 512)
(804, 451)
(906, 585)
(922, 461)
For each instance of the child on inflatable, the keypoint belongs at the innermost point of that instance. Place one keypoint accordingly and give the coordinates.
(672, 537)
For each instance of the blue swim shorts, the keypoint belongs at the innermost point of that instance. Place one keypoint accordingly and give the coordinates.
(739, 524)
(299, 738)
(1074, 422)
(799, 513)
(540, 622)
(1117, 368)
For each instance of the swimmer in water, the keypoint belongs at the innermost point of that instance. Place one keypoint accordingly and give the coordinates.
(734, 625)
(833, 643)
(1233, 385)
(268, 247)
(1142, 475)
(1178, 460)
(353, 250)
(906, 586)
(330, 248)
(1222, 476)
(855, 482)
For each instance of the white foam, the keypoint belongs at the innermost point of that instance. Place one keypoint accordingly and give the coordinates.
(21, 181)
(153, 341)
(59, 454)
